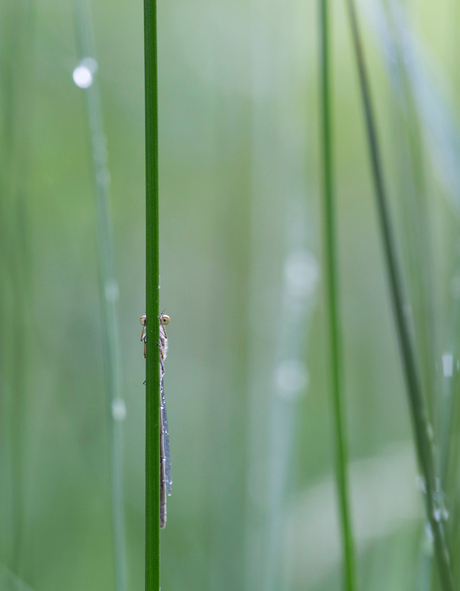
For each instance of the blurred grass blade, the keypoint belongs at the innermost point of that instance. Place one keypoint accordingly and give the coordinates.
(412, 90)
(332, 298)
(11, 582)
(291, 380)
(406, 59)
(422, 429)
(415, 209)
(436, 117)
(16, 123)
(152, 451)
(84, 77)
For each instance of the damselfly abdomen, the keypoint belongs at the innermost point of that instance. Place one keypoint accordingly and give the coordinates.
(165, 460)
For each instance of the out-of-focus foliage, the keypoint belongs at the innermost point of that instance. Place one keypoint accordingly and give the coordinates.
(253, 503)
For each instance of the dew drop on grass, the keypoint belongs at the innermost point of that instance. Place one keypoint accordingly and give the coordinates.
(437, 482)
(429, 432)
(82, 77)
(83, 73)
(421, 484)
(301, 272)
(111, 291)
(448, 365)
(118, 409)
(291, 378)
(429, 532)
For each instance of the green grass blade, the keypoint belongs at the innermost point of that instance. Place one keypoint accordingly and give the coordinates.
(108, 288)
(152, 457)
(10, 582)
(332, 297)
(422, 429)
(17, 98)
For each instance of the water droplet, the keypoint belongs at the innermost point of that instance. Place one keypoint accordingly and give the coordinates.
(91, 64)
(429, 431)
(82, 77)
(455, 286)
(111, 291)
(448, 365)
(301, 272)
(83, 73)
(103, 178)
(291, 378)
(429, 532)
(118, 409)
(421, 484)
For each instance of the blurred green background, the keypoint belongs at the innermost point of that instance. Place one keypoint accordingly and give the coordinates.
(253, 504)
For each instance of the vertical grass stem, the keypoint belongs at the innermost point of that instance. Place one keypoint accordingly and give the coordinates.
(152, 459)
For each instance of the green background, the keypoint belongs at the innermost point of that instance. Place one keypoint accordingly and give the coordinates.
(253, 504)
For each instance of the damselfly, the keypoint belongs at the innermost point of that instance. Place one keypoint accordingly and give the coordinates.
(165, 459)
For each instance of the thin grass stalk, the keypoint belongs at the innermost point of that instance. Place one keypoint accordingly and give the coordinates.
(152, 452)
(332, 297)
(16, 96)
(5, 462)
(422, 429)
(108, 288)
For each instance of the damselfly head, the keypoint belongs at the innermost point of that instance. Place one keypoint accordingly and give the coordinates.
(164, 319)
(143, 320)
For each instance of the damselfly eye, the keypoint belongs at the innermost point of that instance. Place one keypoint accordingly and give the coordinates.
(143, 320)
(165, 318)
